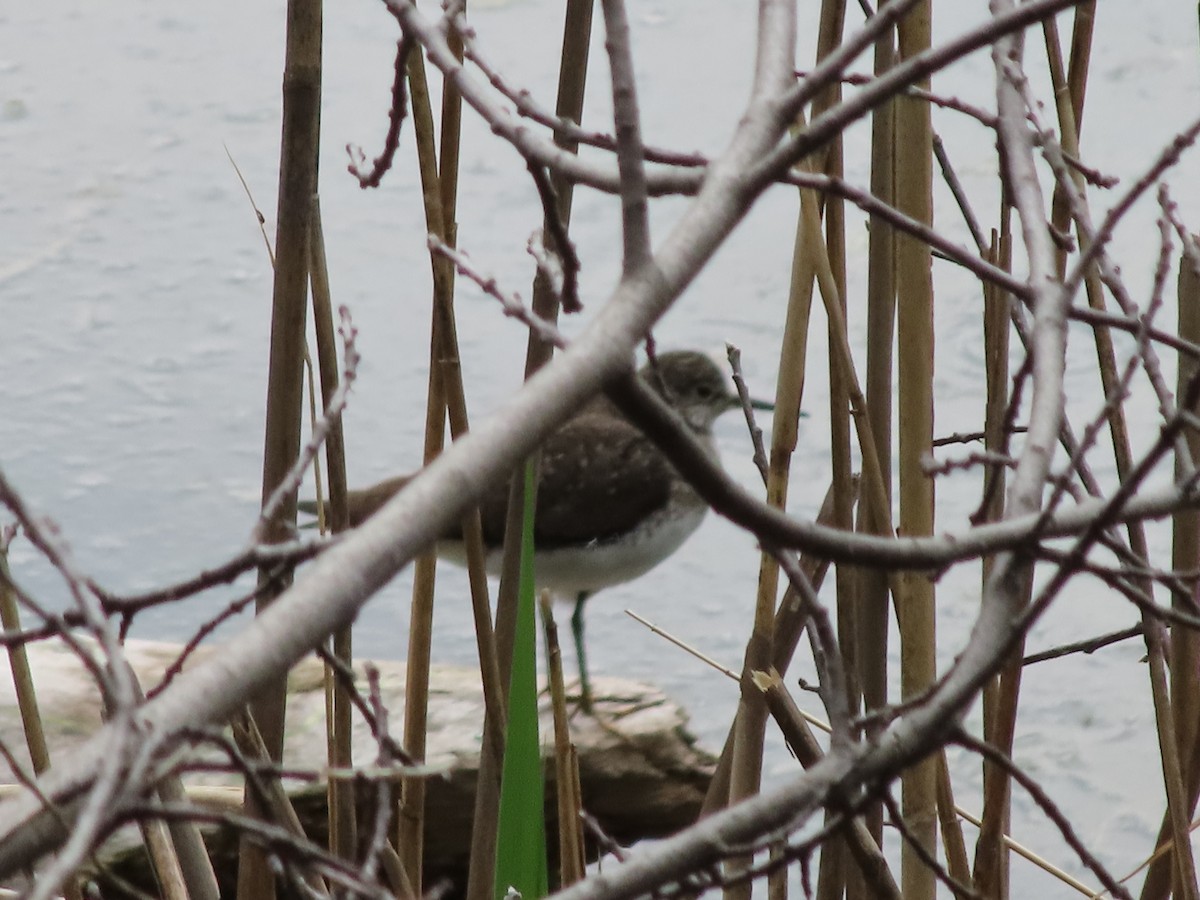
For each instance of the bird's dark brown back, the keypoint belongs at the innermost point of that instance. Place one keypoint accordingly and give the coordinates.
(599, 477)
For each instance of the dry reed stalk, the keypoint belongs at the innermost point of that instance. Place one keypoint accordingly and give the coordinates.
(914, 325)
(18, 661)
(1169, 747)
(250, 743)
(878, 507)
(1072, 92)
(1185, 552)
(749, 725)
(871, 616)
(1184, 885)
(789, 623)
(777, 881)
(1185, 643)
(815, 260)
(876, 495)
(748, 730)
(409, 837)
(177, 853)
(877, 878)
(572, 79)
(449, 144)
(448, 166)
(953, 843)
(26, 692)
(167, 873)
(299, 152)
(794, 724)
(342, 820)
(991, 854)
(991, 863)
(834, 855)
(442, 369)
(189, 846)
(571, 859)
(872, 474)
(809, 254)
(439, 181)
(311, 377)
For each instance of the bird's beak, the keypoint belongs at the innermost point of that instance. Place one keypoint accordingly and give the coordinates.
(768, 406)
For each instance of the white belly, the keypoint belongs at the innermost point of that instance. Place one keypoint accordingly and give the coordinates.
(570, 571)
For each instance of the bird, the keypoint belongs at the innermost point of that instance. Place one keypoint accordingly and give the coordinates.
(610, 506)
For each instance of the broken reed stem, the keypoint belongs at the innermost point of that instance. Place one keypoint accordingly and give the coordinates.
(250, 744)
(794, 724)
(566, 765)
(789, 623)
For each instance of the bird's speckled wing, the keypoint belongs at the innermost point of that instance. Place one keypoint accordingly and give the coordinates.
(600, 476)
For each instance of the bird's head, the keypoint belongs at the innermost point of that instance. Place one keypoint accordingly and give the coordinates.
(695, 386)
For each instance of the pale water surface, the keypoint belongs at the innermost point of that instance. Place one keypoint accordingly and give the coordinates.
(135, 292)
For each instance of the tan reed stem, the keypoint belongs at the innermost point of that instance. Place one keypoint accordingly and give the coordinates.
(871, 617)
(300, 144)
(1169, 747)
(342, 821)
(22, 675)
(1185, 554)
(789, 623)
(1000, 695)
(914, 323)
(410, 834)
(837, 863)
(571, 860)
(750, 722)
(25, 690)
(439, 192)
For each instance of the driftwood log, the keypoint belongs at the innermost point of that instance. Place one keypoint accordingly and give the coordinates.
(641, 772)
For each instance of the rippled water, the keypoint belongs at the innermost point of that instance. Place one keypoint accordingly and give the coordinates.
(135, 292)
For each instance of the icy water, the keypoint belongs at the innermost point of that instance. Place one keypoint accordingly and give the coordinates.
(135, 293)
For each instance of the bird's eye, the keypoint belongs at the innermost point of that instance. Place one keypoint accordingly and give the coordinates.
(704, 392)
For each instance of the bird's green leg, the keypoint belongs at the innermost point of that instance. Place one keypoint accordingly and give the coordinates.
(585, 686)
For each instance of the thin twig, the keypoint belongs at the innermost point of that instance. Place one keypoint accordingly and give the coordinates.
(320, 429)
(396, 114)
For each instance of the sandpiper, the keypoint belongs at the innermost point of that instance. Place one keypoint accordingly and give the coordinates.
(610, 507)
